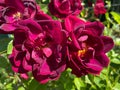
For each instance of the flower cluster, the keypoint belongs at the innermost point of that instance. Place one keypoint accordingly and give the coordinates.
(99, 7)
(47, 47)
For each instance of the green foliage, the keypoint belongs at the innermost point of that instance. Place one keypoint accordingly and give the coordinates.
(10, 47)
(116, 17)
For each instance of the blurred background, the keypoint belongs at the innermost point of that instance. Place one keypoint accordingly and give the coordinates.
(109, 78)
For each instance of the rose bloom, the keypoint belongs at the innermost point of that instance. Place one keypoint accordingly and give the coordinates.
(12, 11)
(39, 49)
(63, 8)
(86, 46)
(99, 7)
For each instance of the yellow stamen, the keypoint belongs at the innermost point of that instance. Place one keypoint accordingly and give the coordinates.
(69, 39)
(81, 52)
(17, 15)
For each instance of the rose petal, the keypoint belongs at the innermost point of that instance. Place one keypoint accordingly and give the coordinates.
(103, 59)
(95, 27)
(83, 38)
(8, 28)
(18, 4)
(47, 52)
(72, 23)
(24, 76)
(37, 56)
(26, 65)
(108, 43)
(94, 66)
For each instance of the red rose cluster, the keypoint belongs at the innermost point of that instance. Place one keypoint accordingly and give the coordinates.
(47, 47)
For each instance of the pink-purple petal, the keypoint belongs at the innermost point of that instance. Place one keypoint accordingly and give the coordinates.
(15, 3)
(103, 59)
(47, 52)
(108, 43)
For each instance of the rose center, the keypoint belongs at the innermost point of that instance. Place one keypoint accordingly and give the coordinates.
(17, 16)
(81, 53)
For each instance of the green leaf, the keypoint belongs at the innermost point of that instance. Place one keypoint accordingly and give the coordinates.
(116, 16)
(3, 44)
(108, 18)
(10, 47)
(115, 61)
(117, 41)
(21, 88)
(117, 86)
(3, 62)
(35, 85)
(44, 1)
(87, 80)
(9, 86)
(78, 83)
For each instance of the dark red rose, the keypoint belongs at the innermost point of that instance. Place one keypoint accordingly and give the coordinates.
(86, 46)
(99, 7)
(39, 49)
(48, 52)
(20, 57)
(63, 8)
(11, 12)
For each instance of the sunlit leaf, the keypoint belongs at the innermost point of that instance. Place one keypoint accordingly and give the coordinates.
(117, 86)
(10, 47)
(116, 17)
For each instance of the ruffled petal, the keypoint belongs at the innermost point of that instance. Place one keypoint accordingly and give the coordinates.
(103, 59)
(95, 27)
(18, 4)
(72, 23)
(94, 67)
(108, 43)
